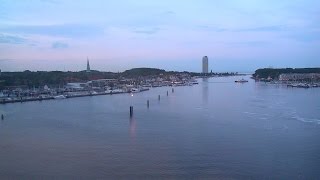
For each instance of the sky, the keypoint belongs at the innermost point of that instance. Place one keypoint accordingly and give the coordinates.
(236, 35)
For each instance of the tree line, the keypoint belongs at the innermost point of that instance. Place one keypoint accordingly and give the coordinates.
(274, 73)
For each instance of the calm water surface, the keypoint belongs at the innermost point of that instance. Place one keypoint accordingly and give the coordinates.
(217, 129)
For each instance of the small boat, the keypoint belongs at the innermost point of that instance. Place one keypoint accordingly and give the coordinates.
(93, 93)
(147, 85)
(241, 81)
(134, 90)
(117, 91)
(59, 97)
(144, 89)
(303, 85)
(108, 91)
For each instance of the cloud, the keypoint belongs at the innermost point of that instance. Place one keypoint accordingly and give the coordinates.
(4, 60)
(11, 39)
(59, 45)
(250, 43)
(147, 30)
(62, 30)
(305, 37)
(169, 13)
(274, 28)
(50, 1)
(214, 29)
(262, 28)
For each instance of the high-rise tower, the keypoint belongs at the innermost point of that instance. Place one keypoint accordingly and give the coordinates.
(88, 65)
(205, 65)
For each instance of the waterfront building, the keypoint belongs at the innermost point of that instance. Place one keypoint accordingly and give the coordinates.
(102, 82)
(76, 86)
(205, 65)
(299, 76)
(88, 65)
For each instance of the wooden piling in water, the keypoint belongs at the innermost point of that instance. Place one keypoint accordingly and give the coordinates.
(158, 97)
(172, 90)
(167, 93)
(148, 103)
(131, 111)
(2, 116)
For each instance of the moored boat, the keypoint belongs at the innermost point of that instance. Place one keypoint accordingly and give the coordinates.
(59, 97)
(134, 90)
(241, 81)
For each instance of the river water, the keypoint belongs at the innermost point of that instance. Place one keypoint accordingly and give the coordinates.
(216, 129)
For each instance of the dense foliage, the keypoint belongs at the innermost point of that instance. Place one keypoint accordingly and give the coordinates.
(60, 78)
(143, 72)
(41, 78)
(274, 73)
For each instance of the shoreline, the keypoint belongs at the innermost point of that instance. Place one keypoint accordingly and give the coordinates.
(64, 97)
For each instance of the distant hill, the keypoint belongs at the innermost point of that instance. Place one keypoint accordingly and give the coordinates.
(274, 73)
(41, 78)
(59, 78)
(143, 72)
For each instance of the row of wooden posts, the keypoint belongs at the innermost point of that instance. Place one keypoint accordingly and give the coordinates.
(148, 103)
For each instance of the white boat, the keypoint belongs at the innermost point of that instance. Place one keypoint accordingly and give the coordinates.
(147, 85)
(303, 85)
(114, 91)
(117, 91)
(94, 93)
(59, 97)
(135, 90)
(241, 81)
(108, 91)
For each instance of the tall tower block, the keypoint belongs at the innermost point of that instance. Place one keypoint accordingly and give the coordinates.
(205, 65)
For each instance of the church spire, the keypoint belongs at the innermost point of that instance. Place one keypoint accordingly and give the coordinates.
(88, 65)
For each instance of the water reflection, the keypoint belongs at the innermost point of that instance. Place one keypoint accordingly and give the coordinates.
(205, 90)
(132, 128)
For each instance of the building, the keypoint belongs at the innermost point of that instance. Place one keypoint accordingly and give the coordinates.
(205, 65)
(76, 86)
(88, 65)
(299, 76)
(101, 82)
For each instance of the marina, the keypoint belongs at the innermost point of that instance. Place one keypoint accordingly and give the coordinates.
(304, 85)
(4, 98)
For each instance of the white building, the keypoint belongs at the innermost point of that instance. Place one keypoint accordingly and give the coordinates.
(205, 64)
(76, 86)
(299, 76)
